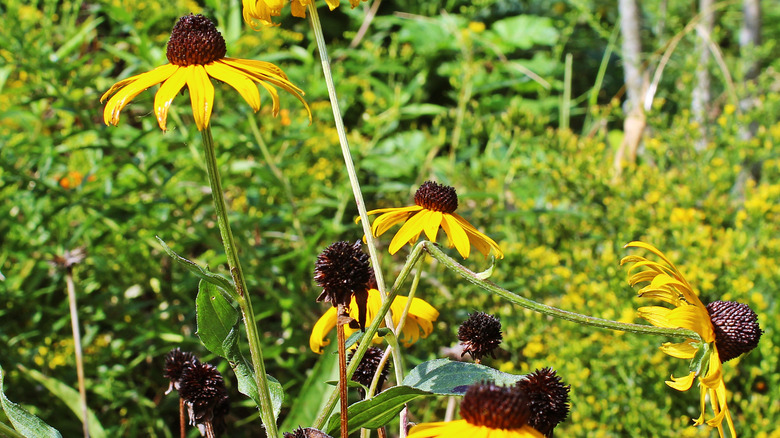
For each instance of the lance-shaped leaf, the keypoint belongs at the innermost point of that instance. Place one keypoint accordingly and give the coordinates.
(24, 422)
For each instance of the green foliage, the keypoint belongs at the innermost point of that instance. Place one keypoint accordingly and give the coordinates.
(470, 98)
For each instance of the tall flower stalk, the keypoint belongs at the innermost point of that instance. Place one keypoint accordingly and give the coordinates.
(243, 300)
(316, 26)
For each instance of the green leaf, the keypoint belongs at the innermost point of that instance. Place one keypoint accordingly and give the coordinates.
(218, 330)
(484, 275)
(24, 422)
(446, 377)
(225, 285)
(525, 31)
(378, 411)
(216, 318)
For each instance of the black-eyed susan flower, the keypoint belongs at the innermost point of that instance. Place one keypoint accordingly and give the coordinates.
(260, 12)
(488, 411)
(434, 208)
(196, 52)
(480, 335)
(419, 321)
(726, 329)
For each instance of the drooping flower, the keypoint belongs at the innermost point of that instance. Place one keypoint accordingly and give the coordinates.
(434, 208)
(726, 329)
(196, 53)
(419, 321)
(480, 335)
(260, 12)
(488, 411)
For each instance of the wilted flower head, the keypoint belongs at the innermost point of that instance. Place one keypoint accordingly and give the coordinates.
(366, 370)
(308, 432)
(343, 271)
(548, 399)
(175, 363)
(480, 334)
(203, 390)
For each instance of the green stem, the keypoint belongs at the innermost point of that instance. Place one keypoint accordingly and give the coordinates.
(365, 340)
(244, 301)
(316, 26)
(469, 275)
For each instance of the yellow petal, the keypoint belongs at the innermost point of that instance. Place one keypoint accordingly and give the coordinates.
(389, 220)
(482, 242)
(456, 235)
(234, 77)
(165, 95)
(298, 9)
(127, 89)
(682, 383)
(692, 318)
(682, 350)
(431, 224)
(413, 227)
(266, 73)
(656, 315)
(332, 4)
(201, 95)
(324, 325)
(393, 209)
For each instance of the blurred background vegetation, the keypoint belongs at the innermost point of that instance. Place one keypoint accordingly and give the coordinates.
(518, 104)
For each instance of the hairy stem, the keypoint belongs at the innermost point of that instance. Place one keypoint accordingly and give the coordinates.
(464, 272)
(244, 301)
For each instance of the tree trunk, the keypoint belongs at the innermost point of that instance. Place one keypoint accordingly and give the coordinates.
(635, 82)
(749, 40)
(700, 100)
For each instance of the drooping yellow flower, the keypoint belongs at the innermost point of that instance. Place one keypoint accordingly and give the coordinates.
(196, 52)
(260, 12)
(419, 320)
(727, 329)
(435, 208)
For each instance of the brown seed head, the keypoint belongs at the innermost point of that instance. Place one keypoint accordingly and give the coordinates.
(480, 334)
(341, 270)
(736, 328)
(548, 399)
(195, 41)
(436, 197)
(365, 371)
(175, 363)
(496, 407)
(203, 390)
(308, 432)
